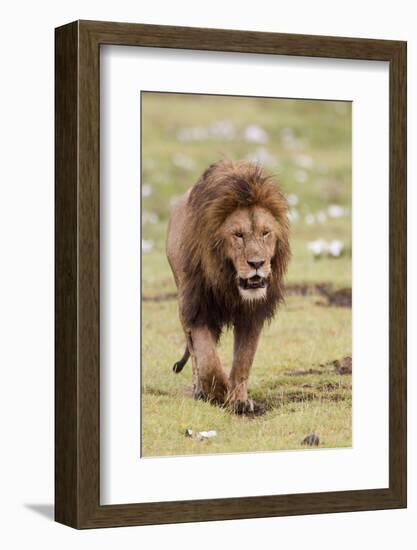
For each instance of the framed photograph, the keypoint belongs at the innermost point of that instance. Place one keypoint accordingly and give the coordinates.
(230, 274)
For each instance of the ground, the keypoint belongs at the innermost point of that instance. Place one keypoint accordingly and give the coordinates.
(306, 144)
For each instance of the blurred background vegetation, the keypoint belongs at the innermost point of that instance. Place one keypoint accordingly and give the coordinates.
(306, 144)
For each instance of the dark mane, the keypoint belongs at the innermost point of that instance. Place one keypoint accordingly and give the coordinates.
(211, 294)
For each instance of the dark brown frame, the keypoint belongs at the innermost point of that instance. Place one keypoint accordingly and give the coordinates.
(77, 274)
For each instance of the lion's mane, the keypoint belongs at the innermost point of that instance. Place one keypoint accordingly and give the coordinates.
(210, 294)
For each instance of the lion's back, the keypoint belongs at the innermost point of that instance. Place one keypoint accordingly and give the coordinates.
(175, 233)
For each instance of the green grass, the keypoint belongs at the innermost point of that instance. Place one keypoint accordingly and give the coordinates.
(305, 334)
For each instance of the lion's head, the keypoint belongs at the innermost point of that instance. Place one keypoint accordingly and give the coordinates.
(236, 246)
(249, 236)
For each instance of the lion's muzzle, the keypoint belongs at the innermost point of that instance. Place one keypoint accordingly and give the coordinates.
(252, 283)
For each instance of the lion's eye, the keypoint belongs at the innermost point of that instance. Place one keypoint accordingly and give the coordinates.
(265, 233)
(239, 235)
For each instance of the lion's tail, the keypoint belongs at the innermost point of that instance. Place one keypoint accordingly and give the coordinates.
(179, 365)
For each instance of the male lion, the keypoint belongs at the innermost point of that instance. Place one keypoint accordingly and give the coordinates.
(228, 249)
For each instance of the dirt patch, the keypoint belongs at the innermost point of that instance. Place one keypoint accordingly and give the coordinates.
(304, 372)
(326, 392)
(147, 390)
(160, 297)
(332, 386)
(307, 289)
(344, 366)
(340, 298)
(300, 396)
(341, 366)
(305, 395)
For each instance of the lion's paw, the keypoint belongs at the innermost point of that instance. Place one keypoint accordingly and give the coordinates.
(248, 408)
(199, 395)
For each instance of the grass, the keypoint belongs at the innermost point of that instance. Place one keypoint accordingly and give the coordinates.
(297, 404)
(308, 148)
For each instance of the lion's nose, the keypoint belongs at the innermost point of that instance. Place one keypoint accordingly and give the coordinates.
(256, 264)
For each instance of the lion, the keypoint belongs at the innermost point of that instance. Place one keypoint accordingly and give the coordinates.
(228, 248)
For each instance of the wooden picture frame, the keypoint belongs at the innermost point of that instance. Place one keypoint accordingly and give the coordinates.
(77, 373)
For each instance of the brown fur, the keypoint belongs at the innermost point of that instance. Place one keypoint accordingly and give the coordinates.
(211, 295)
(200, 244)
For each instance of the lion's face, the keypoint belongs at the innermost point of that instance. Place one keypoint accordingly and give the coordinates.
(249, 236)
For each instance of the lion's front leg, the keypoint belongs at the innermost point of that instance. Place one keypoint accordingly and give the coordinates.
(245, 344)
(209, 379)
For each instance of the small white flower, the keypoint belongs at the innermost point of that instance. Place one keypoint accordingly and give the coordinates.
(255, 134)
(218, 129)
(300, 176)
(318, 247)
(262, 156)
(147, 246)
(206, 435)
(292, 199)
(335, 211)
(192, 134)
(335, 248)
(146, 190)
(309, 219)
(222, 129)
(293, 215)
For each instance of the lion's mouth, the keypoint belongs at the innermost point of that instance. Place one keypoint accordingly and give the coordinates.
(252, 282)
